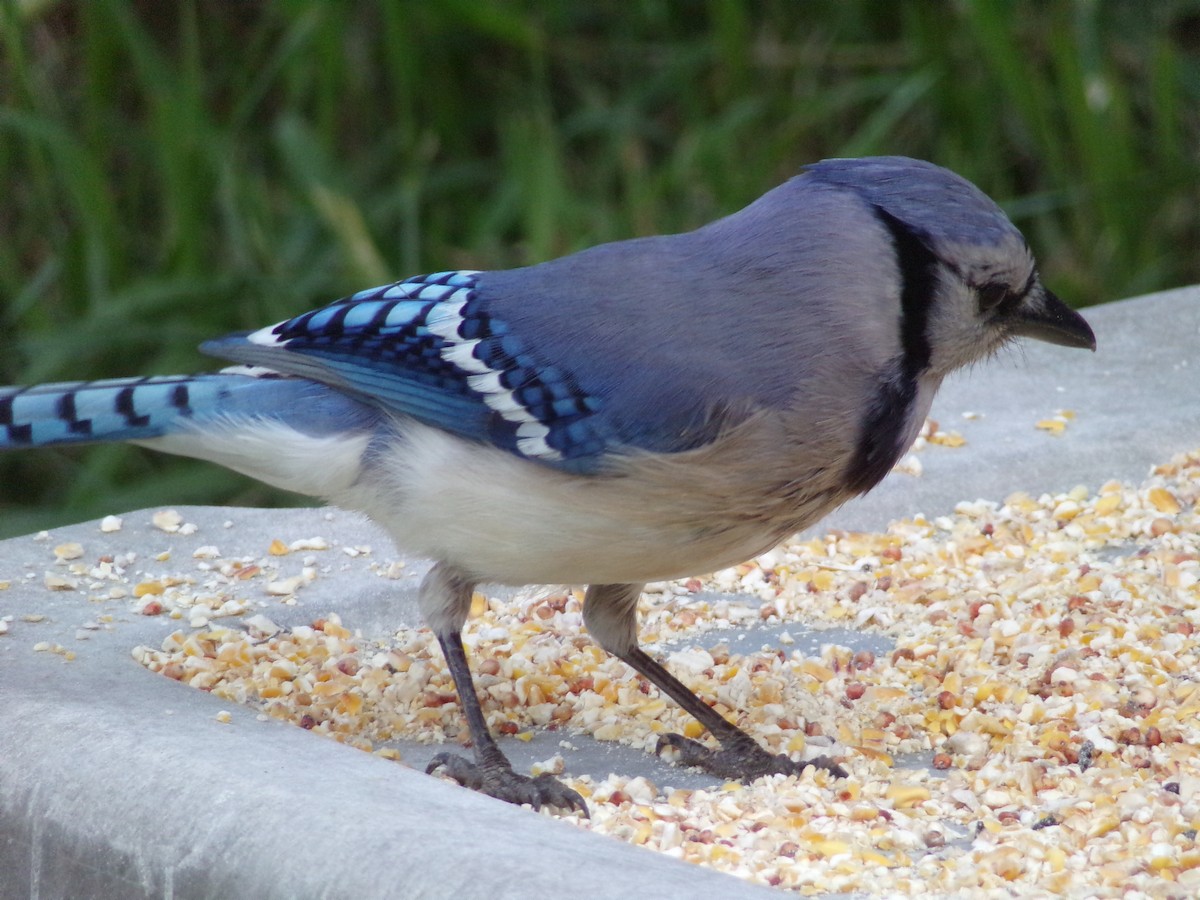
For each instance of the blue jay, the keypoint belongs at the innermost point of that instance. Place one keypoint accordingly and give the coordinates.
(642, 410)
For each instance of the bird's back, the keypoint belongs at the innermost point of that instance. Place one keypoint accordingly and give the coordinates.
(682, 335)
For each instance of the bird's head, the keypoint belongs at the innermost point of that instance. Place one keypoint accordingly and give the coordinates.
(969, 282)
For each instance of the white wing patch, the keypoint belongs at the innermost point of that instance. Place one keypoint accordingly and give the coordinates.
(445, 320)
(266, 337)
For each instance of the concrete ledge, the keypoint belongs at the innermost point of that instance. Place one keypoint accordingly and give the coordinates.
(118, 783)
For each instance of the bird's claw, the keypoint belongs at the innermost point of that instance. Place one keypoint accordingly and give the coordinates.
(501, 782)
(742, 760)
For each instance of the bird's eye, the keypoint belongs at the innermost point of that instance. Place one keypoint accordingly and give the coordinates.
(992, 295)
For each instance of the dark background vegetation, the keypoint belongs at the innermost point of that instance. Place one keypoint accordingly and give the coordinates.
(176, 170)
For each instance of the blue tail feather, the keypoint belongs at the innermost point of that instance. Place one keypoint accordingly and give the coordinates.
(130, 409)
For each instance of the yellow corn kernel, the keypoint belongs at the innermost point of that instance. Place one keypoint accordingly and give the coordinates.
(1163, 500)
(829, 848)
(816, 670)
(906, 796)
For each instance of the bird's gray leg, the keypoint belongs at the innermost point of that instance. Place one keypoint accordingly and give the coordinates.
(610, 613)
(445, 599)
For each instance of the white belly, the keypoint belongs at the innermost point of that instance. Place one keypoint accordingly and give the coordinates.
(505, 519)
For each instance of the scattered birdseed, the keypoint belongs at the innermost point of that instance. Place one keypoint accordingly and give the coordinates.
(110, 524)
(224, 717)
(59, 649)
(1045, 658)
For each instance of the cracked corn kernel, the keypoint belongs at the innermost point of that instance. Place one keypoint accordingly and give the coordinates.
(68, 551)
(60, 582)
(947, 439)
(1163, 500)
(907, 795)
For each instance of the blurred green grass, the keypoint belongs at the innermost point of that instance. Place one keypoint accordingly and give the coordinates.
(173, 171)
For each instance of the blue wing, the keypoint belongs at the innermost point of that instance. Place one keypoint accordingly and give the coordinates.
(427, 347)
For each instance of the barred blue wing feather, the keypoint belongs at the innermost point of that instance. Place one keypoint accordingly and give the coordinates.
(427, 347)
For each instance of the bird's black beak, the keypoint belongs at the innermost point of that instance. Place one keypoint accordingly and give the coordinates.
(1044, 317)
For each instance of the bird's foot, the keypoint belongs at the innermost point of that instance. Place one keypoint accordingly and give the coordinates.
(740, 759)
(497, 779)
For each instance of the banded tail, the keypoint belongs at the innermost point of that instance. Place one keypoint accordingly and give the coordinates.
(290, 432)
(121, 409)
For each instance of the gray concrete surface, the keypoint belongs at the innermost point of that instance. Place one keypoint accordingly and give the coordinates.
(115, 782)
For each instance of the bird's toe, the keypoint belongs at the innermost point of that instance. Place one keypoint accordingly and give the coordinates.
(501, 782)
(742, 760)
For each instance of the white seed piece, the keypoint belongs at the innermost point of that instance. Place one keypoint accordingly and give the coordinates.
(313, 543)
(72, 550)
(260, 627)
(284, 586)
(168, 520)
